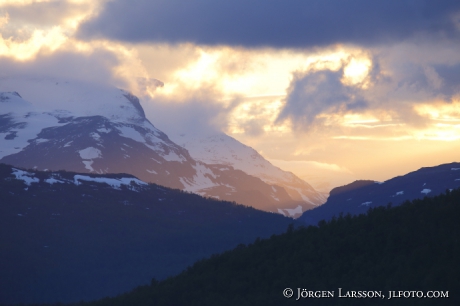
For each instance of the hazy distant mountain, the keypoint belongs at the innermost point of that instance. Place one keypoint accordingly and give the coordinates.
(359, 196)
(70, 236)
(53, 124)
(224, 150)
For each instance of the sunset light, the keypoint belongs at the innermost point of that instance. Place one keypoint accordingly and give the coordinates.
(309, 96)
(207, 153)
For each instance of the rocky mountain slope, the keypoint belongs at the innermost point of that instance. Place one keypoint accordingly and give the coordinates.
(53, 124)
(224, 150)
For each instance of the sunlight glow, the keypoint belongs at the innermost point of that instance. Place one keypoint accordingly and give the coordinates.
(21, 2)
(440, 110)
(39, 40)
(352, 119)
(202, 71)
(259, 113)
(25, 41)
(248, 87)
(450, 133)
(248, 73)
(356, 71)
(4, 20)
(261, 79)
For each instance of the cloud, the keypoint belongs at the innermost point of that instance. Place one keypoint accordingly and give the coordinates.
(274, 23)
(93, 67)
(162, 61)
(388, 96)
(317, 92)
(447, 78)
(45, 13)
(254, 127)
(193, 114)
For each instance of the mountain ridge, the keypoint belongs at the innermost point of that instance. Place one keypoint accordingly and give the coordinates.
(357, 197)
(224, 149)
(104, 129)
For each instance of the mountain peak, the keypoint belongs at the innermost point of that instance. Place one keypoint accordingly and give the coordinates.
(6, 96)
(135, 102)
(352, 186)
(85, 127)
(79, 98)
(12, 101)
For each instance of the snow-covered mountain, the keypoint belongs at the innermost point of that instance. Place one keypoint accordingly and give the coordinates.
(224, 150)
(53, 124)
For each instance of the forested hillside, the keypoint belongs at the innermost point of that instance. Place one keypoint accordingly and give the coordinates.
(356, 198)
(415, 247)
(68, 237)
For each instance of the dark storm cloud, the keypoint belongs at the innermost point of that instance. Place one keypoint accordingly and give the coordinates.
(450, 76)
(316, 93)
(275, 23)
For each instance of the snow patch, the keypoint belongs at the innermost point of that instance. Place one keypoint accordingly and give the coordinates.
(29, 125)
(53, 181)
(172, 156)
(399, 193)
(291, 212)
(114, 183)
(27, 177)
(454, 169)
(129, 132)
(104, 130)
(426, 191)
(233, 189)
(95, 136)
(201, 180)
(366, 203)
(304, 197)
(88, 164)
(152, 171)
(90, 153)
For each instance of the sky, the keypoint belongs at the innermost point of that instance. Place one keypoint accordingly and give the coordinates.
(354, 89)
